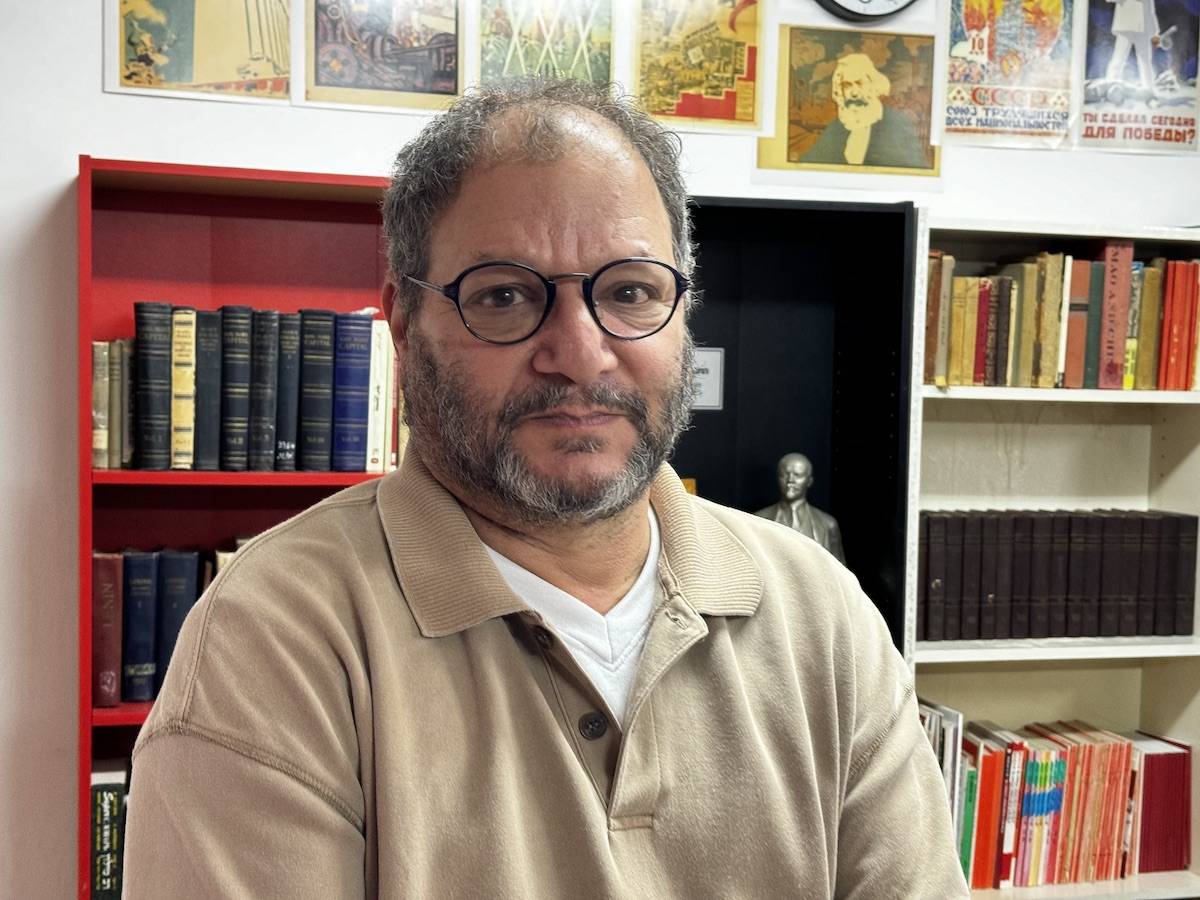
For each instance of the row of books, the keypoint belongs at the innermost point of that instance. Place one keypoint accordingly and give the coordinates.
(240, 388)
(1061, 802)
(1057, 321)
(139, 601)
(1035, 574)
(108, 803)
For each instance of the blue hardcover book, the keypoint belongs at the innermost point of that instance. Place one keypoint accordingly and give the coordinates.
(287, 405)
(314, 437)
(137, 645)
(235, 387)
(207, 455)
(178, 572)
(152, 353)
(351, 391)
(264, 381)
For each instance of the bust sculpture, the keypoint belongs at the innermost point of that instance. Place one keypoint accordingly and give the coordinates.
(793, 509)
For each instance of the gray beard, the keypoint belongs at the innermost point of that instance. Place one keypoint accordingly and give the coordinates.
(461, 444)
(854, 117)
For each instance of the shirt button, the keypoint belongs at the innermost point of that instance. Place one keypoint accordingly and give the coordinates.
(543, 638)
(593, 725)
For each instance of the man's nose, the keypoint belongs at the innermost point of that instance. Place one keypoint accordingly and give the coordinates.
(571, 343)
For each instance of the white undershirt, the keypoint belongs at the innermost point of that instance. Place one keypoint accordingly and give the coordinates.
(607, 647)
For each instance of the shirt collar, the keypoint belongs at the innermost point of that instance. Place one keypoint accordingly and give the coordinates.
(451, 584)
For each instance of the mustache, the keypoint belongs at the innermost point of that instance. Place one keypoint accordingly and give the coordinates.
(855, 101)
(545, 397)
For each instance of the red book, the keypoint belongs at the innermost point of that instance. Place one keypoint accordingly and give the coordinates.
(1164, 330)
(981, 332)
(1077, 316)
(990, 760)
(1114, 319)
(106, 628)
(1189, 341)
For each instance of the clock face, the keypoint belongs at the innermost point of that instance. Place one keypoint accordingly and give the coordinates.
(865, 10)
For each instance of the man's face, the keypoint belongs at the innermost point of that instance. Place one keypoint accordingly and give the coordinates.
(569, 425)
(857, 99)
(795, 476)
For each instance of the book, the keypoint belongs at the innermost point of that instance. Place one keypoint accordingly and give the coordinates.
(1077, 564)
(970, 328)
(1022, 560)
(965, 827)
(178, 572)
(1110, 573)
(183, 387)
(1147, 584)
(952, 597)
(989, 758)
(235, 387)
(1002, 301)
(106, 629)
(1118, 264)
(1077, 320)
(264, 386)
(128, 378)
(1131, 563)
(100, 401)
(1136, 279)
(1092, 577)
(990, 528)
(1149, 325)
(207, 450)
(1167, 575)
(1025, 280)
(942, 360)
(1060, 549)
(1164, 814)
(972, 557)
(1168, 345)
(316, 390)
(140, 611)
(116, 419)
(935, 587)
(922, 572)
(933, 298)
(351, 391)
(1013, 781)
(1188, 373)
(152, 396)
(985, 332)
(1004, 576)
(1185, 581)
(382, 358)
(958, 317)
(287, 405)
(109, 787)
(1041, 546)
(1091, 358)
(1065, 268)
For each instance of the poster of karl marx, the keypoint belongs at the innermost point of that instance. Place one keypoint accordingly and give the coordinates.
(857, 101)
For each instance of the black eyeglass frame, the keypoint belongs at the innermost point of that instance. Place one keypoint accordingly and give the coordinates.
(450, 292)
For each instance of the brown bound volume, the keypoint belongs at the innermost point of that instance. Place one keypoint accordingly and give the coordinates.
(1076, 573)
(972, 553)
(1168, 349)
(1147, 589)
(1022, 546)
(1002, 301)
(941, 363)
(933, 299)
(1168, 575)
(985, 338)
(987, 576)
(1149, 319)
(1060, 549)
(958, 316)
(1025, 282)
(1048, 323)
(1110, 574)
(1039, 575)
(1093, 554)
(1004, 576)
(1114, 317)
(1185, 584)
(970, 328)
(1131, 563)
(952, 611)
(935, 591)
(922, 570)
(106, 628)
(1077, 315)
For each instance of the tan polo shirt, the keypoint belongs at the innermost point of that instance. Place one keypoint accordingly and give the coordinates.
(359, 707)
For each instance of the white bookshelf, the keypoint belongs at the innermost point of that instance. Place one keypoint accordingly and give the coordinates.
(1030, 448)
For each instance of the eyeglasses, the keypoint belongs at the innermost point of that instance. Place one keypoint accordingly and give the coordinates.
(504, 302)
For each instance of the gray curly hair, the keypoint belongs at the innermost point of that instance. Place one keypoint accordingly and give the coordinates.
(430, 169)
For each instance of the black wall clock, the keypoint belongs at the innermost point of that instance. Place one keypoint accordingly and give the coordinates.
(865, 10)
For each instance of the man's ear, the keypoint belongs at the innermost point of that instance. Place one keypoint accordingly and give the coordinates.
(395, 316)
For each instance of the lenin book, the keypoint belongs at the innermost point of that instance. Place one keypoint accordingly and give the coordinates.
(316, 390)
(351, 391)
(207, 455)
(235, 387)
(138, 618)
(264, 381)
(287, 401)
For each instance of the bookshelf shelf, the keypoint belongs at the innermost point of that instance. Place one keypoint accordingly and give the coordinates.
(125, 714)
(983, 227)
(1154, 886)
(230, 479)
(1054, 395)
(929, 653)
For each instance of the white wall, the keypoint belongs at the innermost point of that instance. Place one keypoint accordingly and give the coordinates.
(52, 108)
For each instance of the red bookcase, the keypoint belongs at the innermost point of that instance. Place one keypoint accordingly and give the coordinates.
(202, 237)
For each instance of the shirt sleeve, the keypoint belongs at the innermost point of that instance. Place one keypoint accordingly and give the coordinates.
(207, 820)
(895, 837)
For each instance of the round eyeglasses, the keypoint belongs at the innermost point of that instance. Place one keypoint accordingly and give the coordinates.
(504, 302)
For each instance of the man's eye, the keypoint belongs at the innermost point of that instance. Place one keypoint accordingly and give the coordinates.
(632, 294)
(504, 296)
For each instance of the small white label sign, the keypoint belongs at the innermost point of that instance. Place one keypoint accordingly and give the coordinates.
(709, 378)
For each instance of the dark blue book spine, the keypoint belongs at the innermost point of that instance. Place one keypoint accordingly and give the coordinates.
(178, 572)
(264, 379)
(316, 389)
(235, 386)
(351, 391)
(287, 403)
(137, 649)
(152, 353)
(208, 391)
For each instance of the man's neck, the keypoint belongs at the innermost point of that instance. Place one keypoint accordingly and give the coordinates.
(595, 563)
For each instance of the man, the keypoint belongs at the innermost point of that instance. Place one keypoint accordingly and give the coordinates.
(865, 131)
(1134, 28)
(794, 475)
(530, 664)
